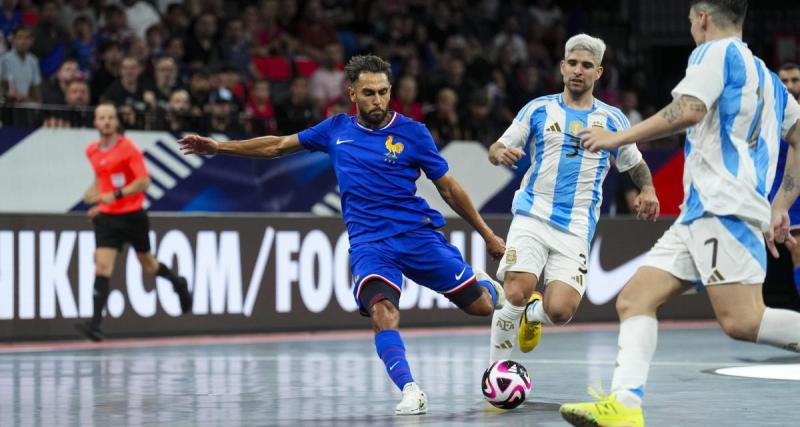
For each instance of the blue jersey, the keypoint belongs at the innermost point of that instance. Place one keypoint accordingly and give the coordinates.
(377, 172)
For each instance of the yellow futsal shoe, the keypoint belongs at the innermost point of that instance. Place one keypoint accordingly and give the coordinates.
(529, 333)
(605, 412)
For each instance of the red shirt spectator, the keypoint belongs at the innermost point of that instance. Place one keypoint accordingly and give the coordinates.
(259, 109)
(405, 100)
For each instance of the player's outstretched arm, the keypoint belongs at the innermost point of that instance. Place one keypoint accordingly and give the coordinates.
(264, 147)
(455, 196)
(683, 112)
(646, 203)
(787, 193)
(499, 154)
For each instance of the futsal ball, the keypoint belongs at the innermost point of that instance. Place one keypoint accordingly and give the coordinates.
(506, 384)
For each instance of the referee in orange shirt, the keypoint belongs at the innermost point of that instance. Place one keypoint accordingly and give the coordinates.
(117, 195)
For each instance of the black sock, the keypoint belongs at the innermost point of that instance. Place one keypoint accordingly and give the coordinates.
(166, 273)
(101, 291)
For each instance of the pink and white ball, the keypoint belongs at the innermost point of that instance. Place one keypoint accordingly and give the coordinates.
(506, 384)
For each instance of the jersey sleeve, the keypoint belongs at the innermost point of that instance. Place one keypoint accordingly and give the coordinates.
(136, 163)
(517, 133)
(704, 77)
(515, 136)
(791, 114)
(318, 138)
(628, 155)
(428, 157)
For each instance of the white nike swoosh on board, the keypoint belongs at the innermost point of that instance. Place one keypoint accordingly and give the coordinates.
(458, 276)
(603, 285)
(342, 141)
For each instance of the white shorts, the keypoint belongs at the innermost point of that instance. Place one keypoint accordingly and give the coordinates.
(533, 246)
(711, 251)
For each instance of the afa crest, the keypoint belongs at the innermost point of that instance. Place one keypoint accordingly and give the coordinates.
(394, 148)
(511, 256)
(575, 127)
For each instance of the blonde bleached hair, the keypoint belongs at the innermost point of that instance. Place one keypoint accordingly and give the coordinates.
(593, 45)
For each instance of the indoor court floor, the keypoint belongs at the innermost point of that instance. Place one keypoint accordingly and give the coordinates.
(335, 378)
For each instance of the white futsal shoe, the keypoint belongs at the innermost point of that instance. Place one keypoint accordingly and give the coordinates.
(501, 295)
(414, 402)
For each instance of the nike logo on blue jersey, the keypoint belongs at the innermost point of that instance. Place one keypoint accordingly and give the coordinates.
(342, 141)
(458, 276)
(393, 365)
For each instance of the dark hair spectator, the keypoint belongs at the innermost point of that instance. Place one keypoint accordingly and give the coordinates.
(50, 40)
(55, 88)
(297, 113)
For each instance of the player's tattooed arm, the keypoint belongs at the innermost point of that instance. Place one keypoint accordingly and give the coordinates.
(686, 108)
(646, 204)
(641, 176)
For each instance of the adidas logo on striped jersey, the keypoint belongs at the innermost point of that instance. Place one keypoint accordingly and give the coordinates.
(715, 277)
(505, 344)
(553, 128)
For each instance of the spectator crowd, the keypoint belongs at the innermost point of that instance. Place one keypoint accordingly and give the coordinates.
(276, 66)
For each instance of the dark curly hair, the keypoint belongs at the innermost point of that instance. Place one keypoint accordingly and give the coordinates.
(366, 64)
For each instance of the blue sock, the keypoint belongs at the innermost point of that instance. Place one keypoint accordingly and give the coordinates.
(393, 353)
(797, 279)
(488, 285)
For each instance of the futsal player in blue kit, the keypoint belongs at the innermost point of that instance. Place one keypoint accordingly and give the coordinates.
(789, 75)
(377, 156)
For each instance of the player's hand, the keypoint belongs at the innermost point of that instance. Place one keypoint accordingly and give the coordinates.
(778, 231)
(596, 139)
(496, 247)
(508, 156)
(646, 204)
(93, 212)
(196, 144)
(107, 198)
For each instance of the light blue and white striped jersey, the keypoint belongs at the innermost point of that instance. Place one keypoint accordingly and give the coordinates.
(731, 154)
(564, 185)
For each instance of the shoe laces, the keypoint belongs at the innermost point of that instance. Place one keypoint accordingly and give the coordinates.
(600, 394)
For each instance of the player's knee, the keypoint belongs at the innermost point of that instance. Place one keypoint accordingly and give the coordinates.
(102, 268)
(384, 315)
(150, 266)
(560, 314)
(515, 293)
(741, 329)
(483, 306)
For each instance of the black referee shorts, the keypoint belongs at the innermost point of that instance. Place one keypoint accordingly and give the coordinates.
(114, 230)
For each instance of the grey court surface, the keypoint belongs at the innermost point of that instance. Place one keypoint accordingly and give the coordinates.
(336, 379)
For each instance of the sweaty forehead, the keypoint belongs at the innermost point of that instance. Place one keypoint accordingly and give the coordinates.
(373, 81)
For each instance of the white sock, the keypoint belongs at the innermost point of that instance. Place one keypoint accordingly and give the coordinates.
(504, 331)
(637, 343)
(535, 313)
(780, 328)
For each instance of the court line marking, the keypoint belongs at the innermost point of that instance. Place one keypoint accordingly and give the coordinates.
(73, 345)
(348, 357)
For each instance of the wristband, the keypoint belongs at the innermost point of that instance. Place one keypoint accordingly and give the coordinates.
(118, 193)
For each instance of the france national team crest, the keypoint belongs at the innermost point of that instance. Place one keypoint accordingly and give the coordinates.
(394, 148)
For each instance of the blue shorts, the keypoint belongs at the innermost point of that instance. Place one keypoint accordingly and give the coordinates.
(422, 255)
(794, 216)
